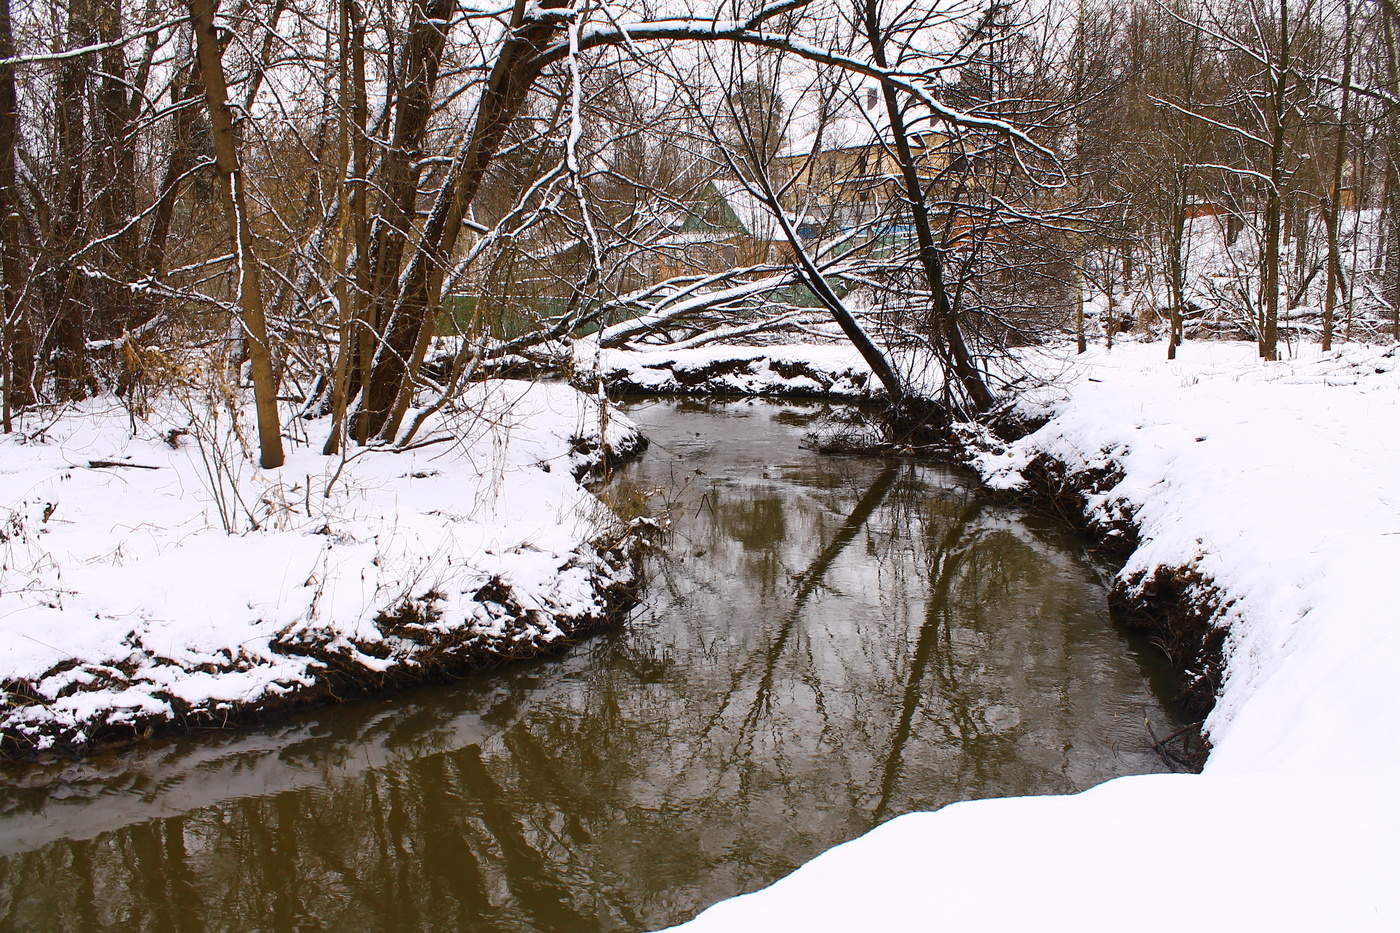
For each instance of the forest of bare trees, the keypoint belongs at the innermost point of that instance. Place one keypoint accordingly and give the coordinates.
(353, 206)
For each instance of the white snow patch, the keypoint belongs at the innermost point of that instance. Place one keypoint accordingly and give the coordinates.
(834, 370)
(123, 596)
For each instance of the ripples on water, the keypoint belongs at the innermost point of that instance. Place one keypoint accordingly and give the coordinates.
(831, 642)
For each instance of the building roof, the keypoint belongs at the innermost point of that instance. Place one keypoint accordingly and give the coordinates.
(859, 121)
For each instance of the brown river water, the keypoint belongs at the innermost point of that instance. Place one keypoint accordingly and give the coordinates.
(830, 642)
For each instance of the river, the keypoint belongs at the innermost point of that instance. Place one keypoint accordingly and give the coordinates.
(827, 643)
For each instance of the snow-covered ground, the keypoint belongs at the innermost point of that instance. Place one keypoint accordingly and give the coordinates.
(831, 370)
(157, 574)
(1278, 484)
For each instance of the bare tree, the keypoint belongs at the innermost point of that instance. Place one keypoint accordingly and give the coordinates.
(13, 359)
(226, 161)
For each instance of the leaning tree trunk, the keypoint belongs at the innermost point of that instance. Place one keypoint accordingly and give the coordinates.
(252, 317)
(390, 386)
(947, 332)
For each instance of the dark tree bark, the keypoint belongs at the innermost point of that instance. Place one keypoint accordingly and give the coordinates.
(113, 309)
(354, 227)
(63, 347)
(946, 331)
(408, 329)
(180, 159)
(1281, 72)
(399, 173)
(1176, 265)
(1390, 128)
(1334, 201)
(16, 354)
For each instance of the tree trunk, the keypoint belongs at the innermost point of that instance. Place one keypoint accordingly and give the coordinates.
(1335, 194)
(408, 329)
(1176, 270)
(946, 333)
(115, 182)
(1080, 344)
(179, 161)
(400, 172)
(1269, 276)
(1390, 127)
(12, 353)
(1110, 301)
(63, 349)
(343, 293)
(1273, 211)
(252, 317)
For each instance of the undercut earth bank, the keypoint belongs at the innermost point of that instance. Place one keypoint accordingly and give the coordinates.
(1177, 608)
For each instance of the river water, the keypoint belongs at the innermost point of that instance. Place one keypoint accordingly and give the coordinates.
(831, 642)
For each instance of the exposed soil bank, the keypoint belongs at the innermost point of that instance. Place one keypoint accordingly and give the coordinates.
(613, 565)
(1176, 607)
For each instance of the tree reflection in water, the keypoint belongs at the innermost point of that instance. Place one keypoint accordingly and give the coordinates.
(833, 642)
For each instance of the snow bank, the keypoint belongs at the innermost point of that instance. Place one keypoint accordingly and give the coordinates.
(125, 603)
(1279, 484)
(797, 370)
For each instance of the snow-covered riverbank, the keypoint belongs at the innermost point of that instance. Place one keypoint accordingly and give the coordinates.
(833, 370)
(127, 606)
(1277, 485)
